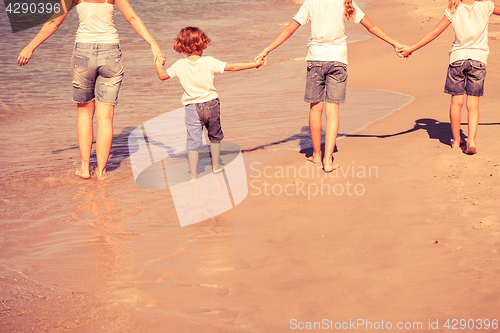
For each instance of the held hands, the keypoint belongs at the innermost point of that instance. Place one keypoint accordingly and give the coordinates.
(158, 55)
(398, 47)
(404, 51)
(24, 56)
(262, 55)
(260, 61)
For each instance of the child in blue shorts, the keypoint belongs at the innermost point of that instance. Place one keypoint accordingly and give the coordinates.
(202, 105)
(326, 65)
(467, 67)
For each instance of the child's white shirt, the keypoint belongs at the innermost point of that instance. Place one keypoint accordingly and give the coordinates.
(470, 23)
(328, 41)
(197, 78)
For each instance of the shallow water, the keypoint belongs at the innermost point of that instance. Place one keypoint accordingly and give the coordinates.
(92, 256)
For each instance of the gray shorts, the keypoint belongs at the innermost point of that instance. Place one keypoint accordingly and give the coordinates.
(326, 81)
(97, 72)
(465, 76)
(199, 115)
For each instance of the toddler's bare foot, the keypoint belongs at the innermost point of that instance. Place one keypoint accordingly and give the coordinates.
(218, 170)
(314, 160)
(83, 174)
(192, 177)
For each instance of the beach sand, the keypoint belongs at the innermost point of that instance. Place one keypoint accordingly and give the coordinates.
(412, 236)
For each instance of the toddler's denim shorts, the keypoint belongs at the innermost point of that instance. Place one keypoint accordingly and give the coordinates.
(97, 72)
(326, 81)
(199, 115)
(465, 76)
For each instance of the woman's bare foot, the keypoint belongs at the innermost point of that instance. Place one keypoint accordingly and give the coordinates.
(83, 174)
(314, 160)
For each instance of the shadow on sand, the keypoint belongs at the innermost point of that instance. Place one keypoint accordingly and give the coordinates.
(435, 129)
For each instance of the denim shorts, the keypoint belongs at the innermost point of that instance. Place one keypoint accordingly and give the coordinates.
(326, 81)
(465, 76)
(97, 72)
(199, 115)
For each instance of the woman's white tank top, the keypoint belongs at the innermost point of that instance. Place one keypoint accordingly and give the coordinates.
(96, 23)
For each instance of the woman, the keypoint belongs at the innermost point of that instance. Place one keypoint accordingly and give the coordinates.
(97, 70)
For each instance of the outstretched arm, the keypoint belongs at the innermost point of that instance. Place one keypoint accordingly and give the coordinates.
(246, 65)
(139, 27)
(440, 27)
(162, 75)
(377, 31)
(282, 37)
(45, 32)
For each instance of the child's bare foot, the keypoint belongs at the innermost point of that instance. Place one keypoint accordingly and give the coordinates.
(329, 166)
(83, 174)
(455, 143)
(314, 160)
(471, 149)
(192, 177)
(100, 174)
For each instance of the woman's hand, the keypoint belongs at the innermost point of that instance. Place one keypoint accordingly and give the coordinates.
(24, 56)
(158, 55)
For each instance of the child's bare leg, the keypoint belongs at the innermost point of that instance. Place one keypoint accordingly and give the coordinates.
(315, 128)
(215, 150)
(104, 115)
(85, 133)
(457, 101)
(473, 119)
(193, 163)
(331, 131)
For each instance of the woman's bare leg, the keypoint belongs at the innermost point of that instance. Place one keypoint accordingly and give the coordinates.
(104, 115)
(85, 133)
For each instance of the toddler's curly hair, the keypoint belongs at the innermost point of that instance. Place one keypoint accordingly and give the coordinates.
(191, 39)
(349, 9)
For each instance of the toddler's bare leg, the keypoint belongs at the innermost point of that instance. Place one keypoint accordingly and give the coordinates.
(193, 163)
(215, 150)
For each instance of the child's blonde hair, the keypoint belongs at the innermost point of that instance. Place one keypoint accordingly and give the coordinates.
(453, 5)
(349, 9)
(190, 40)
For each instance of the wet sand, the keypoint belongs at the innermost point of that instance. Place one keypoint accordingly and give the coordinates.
(411, 236)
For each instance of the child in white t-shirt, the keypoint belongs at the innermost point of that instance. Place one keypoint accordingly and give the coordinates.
(326, 65)
(468, 55)
(200, 98)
